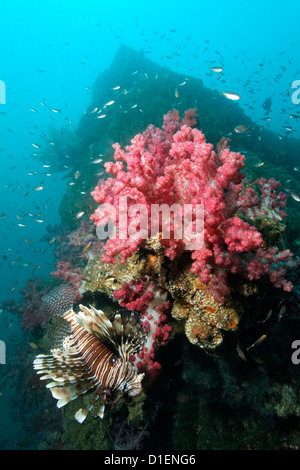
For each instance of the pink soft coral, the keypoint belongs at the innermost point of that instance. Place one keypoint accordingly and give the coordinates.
(176, 165)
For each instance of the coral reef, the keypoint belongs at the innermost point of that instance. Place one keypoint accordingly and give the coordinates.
(70, 275)
(238, 389)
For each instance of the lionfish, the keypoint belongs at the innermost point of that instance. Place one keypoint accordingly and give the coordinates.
(94, 356)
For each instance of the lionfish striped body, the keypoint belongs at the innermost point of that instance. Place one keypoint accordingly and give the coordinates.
(95, 356)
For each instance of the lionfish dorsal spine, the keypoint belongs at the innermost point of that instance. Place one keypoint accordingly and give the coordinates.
(96, 323)
(129, 333)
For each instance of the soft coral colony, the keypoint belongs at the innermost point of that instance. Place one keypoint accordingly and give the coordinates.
(151, 274)
(177, 165)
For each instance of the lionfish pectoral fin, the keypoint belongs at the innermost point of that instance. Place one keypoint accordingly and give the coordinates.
(82, 413)
(64, 394)
(67, 372)
(100, 412)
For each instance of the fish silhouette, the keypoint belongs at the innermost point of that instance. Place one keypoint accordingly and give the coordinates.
(267, 105)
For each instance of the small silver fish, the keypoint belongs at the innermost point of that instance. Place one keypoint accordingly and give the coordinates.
(295, 196)
(256, 359)
(231, 95)
(216, 69)
(240, 353)
(281, 312)
(109, 103)
(267, 317)
(275, 214)
(242, 129)
(38, 188)
(257, 342)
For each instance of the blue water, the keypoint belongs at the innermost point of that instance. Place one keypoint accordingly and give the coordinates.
(52, 52)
